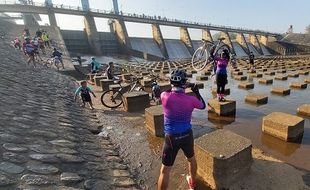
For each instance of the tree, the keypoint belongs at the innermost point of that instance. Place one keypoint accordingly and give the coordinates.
(308, 29)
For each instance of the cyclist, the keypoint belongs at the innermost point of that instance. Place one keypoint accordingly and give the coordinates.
(251, 60)
(35, 43)
(110, 71)
(58, 54)
(17, 43)
(29, 51)
(178, 108)
(221, 73)
(84, 91)
(95, 66)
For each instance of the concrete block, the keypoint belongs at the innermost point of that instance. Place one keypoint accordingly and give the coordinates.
(202, 78)
(281, 90)
(283, 126)
(265, 81)
(136, 101)
(237, 73)
(304, 110)
(200, 85)
(227, 91)
(295, 75)
(98, 78)
(256, 98)
(246, 85)
(299, 85)
(222, 108)
(270, 73)
(281, 71)
(307, 80)
(104, 83)
(164, 86)
(223, 158)
(240, 77)
(303, 72)
(126, 76)
(154, 120)
(257, 75)
(281, 77)
(146, 82)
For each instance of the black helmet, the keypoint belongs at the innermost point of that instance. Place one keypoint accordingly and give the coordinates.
(178, 78)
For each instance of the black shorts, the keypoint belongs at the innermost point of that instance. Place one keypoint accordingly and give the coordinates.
(86, 97)
(173, 143)
(221, 79)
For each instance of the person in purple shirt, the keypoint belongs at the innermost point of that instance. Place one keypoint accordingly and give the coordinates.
(178, 108)
(221, 73)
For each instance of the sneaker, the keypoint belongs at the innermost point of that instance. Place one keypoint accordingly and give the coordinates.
(190, 182)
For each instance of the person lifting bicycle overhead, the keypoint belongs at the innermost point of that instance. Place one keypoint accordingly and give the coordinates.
(220, 66)
(178, 108)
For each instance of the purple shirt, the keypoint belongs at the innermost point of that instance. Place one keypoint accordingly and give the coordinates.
(221, 65)
(178, 108)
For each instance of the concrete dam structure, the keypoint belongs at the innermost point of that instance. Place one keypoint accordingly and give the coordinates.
(90, 41)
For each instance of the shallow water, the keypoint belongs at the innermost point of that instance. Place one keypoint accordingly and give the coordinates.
(248, 119)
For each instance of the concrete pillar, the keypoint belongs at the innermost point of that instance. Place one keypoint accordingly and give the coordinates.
(158, 37)
(241, 40)
(30, 21)
(206, 35)
(227, 40)
(186, 39)
(121, 34)
(92, 34)
(254, 41)
(52, 18)
(85, 5)
(264, 40)
(115, 6)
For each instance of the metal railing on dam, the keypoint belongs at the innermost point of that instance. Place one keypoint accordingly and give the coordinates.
(42, 8)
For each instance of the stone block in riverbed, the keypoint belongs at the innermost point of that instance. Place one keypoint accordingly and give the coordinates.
(154, 120)
(256, 98)
(281, 77)
(270, 73)
(257, 75)
(202, 78)
(284, 126)
(265, 81)
(307, 80)
(164, 86)
(280, 90)
(304, 110)
(98, 78)
(295, 75)
(227, 91)
(299, 85)
(105, 83)
(303, 72)
(222, 108)
(240, 77)
(136, 101)
(223, 158)
(246, 85)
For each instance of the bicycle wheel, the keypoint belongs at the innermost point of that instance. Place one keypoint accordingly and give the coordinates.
(112, 98)
(200, 58)
(220, 49)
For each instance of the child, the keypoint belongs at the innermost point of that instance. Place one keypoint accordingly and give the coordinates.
(84, 90)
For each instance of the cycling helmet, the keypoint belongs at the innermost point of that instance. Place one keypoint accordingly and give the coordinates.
(178, 78)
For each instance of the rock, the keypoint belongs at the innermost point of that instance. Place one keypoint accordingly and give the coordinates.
(120, 173)
(69, 158)
(46, 134)
(124, 182)
(43, 149)
(37, 179)
(13, 157)
(48, 158)
(14, 147)
(99, 184)
(4, 180)
(70, 177)
(64, 143)
(42, 169)
(11, 168)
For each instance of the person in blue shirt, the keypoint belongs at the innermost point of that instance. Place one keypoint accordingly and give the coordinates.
(84, 91)
(95, 66)
(57, 55)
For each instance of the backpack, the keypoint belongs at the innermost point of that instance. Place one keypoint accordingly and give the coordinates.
(29, 48)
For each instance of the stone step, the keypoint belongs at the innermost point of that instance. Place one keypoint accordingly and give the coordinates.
(246, 85)
(256, 98)
(281, 90)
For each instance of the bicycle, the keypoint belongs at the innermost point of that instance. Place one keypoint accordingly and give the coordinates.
(201, 57)
(52, 61)
(114, 98)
